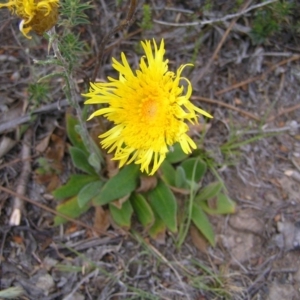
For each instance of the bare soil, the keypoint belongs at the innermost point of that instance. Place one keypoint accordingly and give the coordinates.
(257, 252)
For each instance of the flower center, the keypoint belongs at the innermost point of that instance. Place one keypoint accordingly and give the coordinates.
(149, 109)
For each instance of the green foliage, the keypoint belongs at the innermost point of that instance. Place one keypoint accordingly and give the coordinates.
(45, 167)
(75, 183)
(73, 12)
(201, 221)
(146, 23)
(88, 192)
(142, 209)
(209, 191)
(80, 160)
(208, 5)
(38, 93)
(72, 48)
(119, 186)
(270, 20)
(188, 175)
(122, 216)
(158, 229)
(220, 205)
(69, 208)
(163, 202)
(80, 190)
(194, 169)
(176, 154)
(74, 137)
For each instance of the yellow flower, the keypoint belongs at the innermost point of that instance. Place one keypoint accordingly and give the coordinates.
(148, 109)
(37, 15)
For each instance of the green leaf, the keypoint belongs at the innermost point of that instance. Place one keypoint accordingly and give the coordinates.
(71, 209)
(163, 202)
(80, 160)
(119, 186)
(180, 178)
(73, 186)
(89, 191)
(209, 191)
(224, 205)
(201, 221)
(176, 154)
(158, 229)
(168, 173)
(73, 135)
(142, 209)
(94, 161)
(122, 217)
(200, 168)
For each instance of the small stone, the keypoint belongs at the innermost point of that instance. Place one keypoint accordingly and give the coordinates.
(46, 283)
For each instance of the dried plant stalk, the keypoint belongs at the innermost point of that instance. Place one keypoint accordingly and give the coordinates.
(18, 203)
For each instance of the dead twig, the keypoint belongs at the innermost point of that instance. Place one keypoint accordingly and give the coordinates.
(125, 23)
(54, 212)
(285, 111)
(259, 77)
(212, 101)
(10, 163)
(28, 117)
(212, 59)
(18, 203)
(211, 21)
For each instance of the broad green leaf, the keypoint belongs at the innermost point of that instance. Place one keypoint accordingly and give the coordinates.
(122, 217)
(119, 186)
(180, 178)
(163, 202)
(201, 221)
(142, 209)
(209, 191)
(168, 173)
(73, 135)
(176, 154)
(89, 191)
(194, 163)
(158, 229)
(73, 186)
(94, 161)
(224, 205)
(80, 160)
(71, 209)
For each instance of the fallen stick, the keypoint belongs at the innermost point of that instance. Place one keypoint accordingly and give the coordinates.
(18, 203)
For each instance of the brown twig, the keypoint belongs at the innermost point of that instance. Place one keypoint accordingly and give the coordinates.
(285, 111)
(28, 117)
(212, 101)
(259, 77)
(125, 23)
(14, 161)
(18, 203)
(212, 59)
(54, 212)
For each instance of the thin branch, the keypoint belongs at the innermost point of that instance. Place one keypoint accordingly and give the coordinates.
(18, 203)
(214, 56)
(211, 21)
(28, 117)
(212, 101)
(285, 111)
(125, 23)
(259, 77)
(54, 212)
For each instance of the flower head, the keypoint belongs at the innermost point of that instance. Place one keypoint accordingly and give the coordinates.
(37, 15)
(148, 108)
